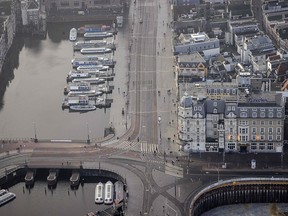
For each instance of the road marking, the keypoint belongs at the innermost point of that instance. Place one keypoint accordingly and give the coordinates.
(61, 141)
(172, 209)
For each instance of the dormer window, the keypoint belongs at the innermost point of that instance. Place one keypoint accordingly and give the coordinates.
(214, 103)
(215, 110)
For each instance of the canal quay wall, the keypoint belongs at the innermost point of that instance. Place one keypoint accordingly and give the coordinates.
(235, 191)
(16, 174)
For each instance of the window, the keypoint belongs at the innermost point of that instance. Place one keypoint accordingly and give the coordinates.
(270, 146)
(262, 137)
(197, 122)
(195, 108)
(243, 130)
(253, 122)
(262, 114)
(261, 146)
(254, 114)
(188, 121)
(231, 146)
(270, 115)
(254, 130)
(262, 130)
(253, 137)
(270, 137)
(279, 122)
(188, 129)
(279, 114)
(262, 122)
(214, 125)
(229, 108)
(278, 137)
(197, 129)
(64, 4)
(188, 137)
(253, 146)
(231, 130)
(214, 103)
(270, 130)
(215, 110)
(278, 130)
(244, 138)
(199, 108)
(243, 114)
(270, 123)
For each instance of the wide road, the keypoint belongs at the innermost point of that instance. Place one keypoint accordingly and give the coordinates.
(143, 71)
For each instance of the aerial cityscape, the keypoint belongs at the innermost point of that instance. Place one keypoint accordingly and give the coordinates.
(143, 107)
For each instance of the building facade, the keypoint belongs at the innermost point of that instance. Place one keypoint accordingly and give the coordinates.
(254, 125)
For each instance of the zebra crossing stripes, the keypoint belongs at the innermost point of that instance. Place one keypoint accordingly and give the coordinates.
(148, 147)
(137, 146)
(129, 145)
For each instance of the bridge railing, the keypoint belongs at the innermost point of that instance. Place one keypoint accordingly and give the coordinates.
(232, 182)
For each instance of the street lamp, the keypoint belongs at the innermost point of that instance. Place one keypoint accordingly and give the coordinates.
(35, 134)
(88, 137)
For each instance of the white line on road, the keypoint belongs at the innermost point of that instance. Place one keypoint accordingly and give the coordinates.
(172, 209)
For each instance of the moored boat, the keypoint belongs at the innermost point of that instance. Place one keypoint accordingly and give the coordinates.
(82, 108)
(78, 46)
(95, 50)
(92, 80)
(109, 193)
(75, 179)
(80, 86)
(91, 92)
(73, 34)
(77, 100)
(76, 75)
(93, 67)
(99, 35)
(3, 191)
(52, 177)
(99, 193)
(29, 178)
(7, 197)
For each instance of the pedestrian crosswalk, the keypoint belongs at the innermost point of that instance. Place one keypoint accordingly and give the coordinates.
(143, 147)
(148, 147)
(174, 170)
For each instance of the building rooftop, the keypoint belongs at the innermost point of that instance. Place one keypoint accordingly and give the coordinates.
(194, 38)
(194, 57)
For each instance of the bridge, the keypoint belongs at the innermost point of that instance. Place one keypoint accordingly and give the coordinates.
(242, 190)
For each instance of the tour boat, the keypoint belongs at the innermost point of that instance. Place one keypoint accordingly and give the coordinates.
(98, 35)
(93, 67)
(99, 193)
(82, 108)
(97, 50)
(7, 197)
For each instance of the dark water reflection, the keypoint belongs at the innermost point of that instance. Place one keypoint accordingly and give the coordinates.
(11, 62)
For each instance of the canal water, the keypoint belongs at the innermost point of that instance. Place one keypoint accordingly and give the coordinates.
(62, 200)
(31, 90)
